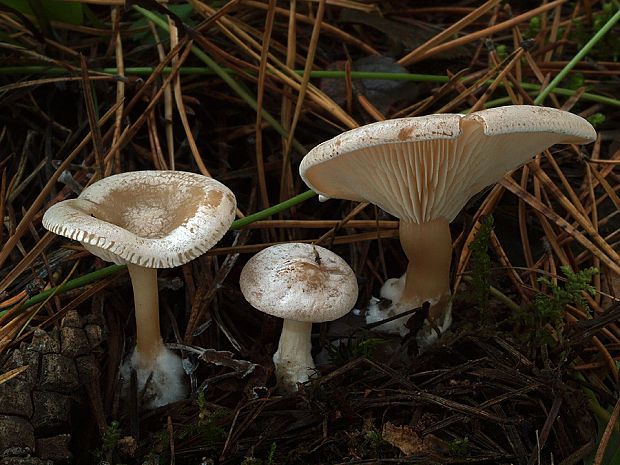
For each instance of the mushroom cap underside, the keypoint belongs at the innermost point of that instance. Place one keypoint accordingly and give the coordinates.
(422, 168)
(155, 219)
(300, 282)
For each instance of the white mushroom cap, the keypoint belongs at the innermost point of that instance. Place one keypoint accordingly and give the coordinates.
(287, 281)
(423, 168)
(154, 219)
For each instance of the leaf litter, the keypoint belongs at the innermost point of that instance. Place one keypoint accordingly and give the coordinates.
(487, 393)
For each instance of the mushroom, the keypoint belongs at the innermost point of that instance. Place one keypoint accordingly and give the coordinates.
(303, 284)
(148, 220)
(423, 170)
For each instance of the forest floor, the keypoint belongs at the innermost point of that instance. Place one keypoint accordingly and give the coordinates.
(241, 91)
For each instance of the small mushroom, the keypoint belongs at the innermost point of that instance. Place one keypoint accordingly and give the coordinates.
(303, 284)
(423, 170)
(148, 220)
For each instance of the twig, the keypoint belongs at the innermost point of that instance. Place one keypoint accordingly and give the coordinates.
(600, 452)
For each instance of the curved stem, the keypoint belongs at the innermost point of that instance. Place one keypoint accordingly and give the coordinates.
(428, 247)
(146, 299)
(293, 359)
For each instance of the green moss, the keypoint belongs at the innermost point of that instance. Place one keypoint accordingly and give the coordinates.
(352, 349)
(533, 28)
(206, 426)
(575, 81)
(479, 289)
(545, 315)
(459, 447)
(607, 49)
(596, 119)
(501, 51)
(105, 454)
(368, 441)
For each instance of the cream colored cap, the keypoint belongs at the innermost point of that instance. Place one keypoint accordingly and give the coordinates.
(419, 169)
(154, 219)
(289, 281)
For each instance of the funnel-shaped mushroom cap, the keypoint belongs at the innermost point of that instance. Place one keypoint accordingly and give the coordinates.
(419, 169)
(299, 282)
(155, 219)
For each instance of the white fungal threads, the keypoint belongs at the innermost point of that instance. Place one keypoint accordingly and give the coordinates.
(166, 377)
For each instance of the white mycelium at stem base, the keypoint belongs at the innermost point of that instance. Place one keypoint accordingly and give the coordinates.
(148, 220)
(293, 359)
(423, 170)
(428, 247)
(302, 284)
(150, 357)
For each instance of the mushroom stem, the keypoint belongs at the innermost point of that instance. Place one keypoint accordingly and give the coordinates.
(428, 247)
(149, 343)
(293, 359)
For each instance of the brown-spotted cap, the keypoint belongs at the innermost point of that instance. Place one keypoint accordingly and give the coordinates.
(299, 282)
(154, 219)
(422, 168)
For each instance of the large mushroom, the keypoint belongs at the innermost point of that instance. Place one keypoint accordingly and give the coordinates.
(148, 220)
(303, 284)
(423, 170)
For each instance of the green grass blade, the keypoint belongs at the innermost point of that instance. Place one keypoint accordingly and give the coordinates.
(577, 58)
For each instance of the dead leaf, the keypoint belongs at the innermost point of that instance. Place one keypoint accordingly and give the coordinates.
(404, 438)
(409, 442)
